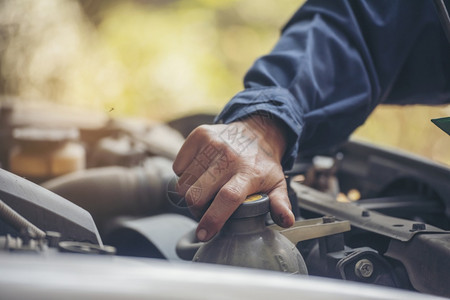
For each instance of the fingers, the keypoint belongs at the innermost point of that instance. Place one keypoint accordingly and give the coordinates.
(232, 195)
(210, 166)
(210, 169)
(280, 206)
(191, 174)
(204, 189)
(190, 148)
(227, 200)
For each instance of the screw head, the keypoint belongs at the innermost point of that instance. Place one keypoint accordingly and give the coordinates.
(364, 268)
(418, 227)
(328, 219)
(365, 213)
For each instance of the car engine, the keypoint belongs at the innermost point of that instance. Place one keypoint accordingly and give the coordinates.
(87, 185)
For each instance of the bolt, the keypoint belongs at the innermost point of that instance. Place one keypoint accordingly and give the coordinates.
(364, 268)
(418, 226)
(53, 238)
(328, 219)
(365, 213)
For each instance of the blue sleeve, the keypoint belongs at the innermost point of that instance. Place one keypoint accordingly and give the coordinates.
(336, 60)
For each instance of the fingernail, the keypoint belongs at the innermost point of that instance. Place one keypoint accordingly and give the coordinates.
(290, 219)
(201, 234)
(286, 220)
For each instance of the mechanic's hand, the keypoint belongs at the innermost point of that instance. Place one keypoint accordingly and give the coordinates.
(227, 163)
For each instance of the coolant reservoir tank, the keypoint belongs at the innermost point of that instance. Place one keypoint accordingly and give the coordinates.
(245, 241)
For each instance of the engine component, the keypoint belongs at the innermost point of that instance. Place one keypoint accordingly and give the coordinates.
(112, 191)
(18, 222)
(18, 244)
(396, 228)
(117, 151)
(43, 153)
(425, 258)
(46, 210)
(85, 248)
(302, 230)
(6, 110)
(407, 241)
(154, 237)
(322, 174)
(366, 265)
(313, 228)
(245, 241)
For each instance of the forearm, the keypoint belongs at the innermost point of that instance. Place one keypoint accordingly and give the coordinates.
(334, 63)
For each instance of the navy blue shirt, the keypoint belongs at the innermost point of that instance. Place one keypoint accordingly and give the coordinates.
(337, 60)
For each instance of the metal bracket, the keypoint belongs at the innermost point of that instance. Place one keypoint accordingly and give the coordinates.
(396, 228)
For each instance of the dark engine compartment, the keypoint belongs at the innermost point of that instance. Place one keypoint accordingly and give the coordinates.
(398, 205)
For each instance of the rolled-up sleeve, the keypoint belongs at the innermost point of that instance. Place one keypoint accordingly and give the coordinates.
(336, 60)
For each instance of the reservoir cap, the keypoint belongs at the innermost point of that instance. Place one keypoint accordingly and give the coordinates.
(254, 205)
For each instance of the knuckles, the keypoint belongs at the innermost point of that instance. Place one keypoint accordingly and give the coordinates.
(230, 195)
(193, 198)
(201, 133)
(251, 171)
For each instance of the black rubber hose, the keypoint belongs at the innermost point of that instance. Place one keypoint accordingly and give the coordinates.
(109, 192)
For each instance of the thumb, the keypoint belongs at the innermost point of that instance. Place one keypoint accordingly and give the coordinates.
(280, 206)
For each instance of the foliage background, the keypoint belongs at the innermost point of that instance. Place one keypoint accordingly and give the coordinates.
(162, 59)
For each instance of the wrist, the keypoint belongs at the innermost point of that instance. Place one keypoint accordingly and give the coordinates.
(271, 134)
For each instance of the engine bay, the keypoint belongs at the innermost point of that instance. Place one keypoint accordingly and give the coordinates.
(104, 186)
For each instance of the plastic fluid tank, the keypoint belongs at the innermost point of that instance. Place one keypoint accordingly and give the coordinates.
(245, 241)
(44, 153)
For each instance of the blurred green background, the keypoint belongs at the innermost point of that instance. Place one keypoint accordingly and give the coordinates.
(162, 59)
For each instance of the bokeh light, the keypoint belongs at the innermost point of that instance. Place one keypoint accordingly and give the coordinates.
(164, 59)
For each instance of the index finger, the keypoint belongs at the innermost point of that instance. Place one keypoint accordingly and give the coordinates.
(194, 142)
(227, 200)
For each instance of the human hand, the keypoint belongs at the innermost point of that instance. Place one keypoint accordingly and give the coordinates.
(228, 162)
